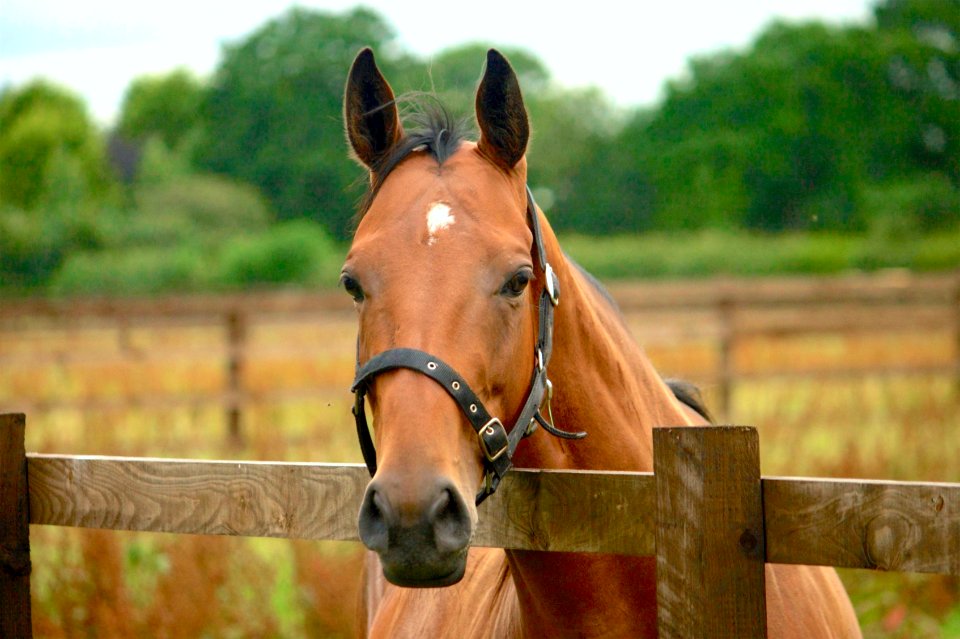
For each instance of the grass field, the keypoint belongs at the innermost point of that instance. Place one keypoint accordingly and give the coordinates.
(108, 584)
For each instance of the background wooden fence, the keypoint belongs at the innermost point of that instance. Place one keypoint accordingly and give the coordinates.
(723, 312)
(706, 513)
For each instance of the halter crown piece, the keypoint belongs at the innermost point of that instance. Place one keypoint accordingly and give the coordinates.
(496, 443)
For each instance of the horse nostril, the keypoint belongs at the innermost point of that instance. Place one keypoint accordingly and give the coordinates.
(451, 521)
(376, 517)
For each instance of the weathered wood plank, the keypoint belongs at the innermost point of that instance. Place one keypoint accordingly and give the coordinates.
(847, 523)
(571, 511)
(534, 510)
(710, 542)
(15, 616)
(896, 526)
(256, 499)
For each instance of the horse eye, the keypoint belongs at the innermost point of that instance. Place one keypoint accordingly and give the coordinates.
(352, 287)
(515, 286)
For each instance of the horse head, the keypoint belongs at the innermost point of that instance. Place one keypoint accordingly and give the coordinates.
(445, 275)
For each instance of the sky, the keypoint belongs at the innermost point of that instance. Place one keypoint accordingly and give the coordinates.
(628, 49)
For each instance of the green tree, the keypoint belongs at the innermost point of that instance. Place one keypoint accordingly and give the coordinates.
(44, 127)
(272, 113)
(792, 132)
(167, 106)
(923, 64)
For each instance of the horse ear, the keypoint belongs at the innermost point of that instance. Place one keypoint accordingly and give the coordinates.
(504, 130)
(370, 111)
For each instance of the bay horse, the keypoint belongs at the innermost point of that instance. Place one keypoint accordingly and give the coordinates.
(464, 301)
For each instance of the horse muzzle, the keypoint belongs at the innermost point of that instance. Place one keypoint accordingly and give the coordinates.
(421, 545)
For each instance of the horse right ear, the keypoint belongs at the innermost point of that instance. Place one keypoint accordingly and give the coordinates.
(370, 111)
(504, 129)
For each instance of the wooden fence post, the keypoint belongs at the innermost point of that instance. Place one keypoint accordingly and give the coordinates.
(236, 356)
(15, 619)
(725, 307)
(710, 536)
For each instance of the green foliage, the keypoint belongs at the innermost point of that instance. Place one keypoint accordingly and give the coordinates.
(45, 137)
(712, 252)
(166, 106)
(30, 247)
(795, 133)
(907, 207)
(295, 252)
(131, 271)
(159, 164)
(272, 116)
(210, 206)
(298, 253)
(813, 129)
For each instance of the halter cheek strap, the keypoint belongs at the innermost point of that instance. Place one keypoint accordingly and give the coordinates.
(496, 444)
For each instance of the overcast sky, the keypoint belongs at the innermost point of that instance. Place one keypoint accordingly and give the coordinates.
(628, 49)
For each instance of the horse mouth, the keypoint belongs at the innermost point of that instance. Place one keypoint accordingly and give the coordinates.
(422, 576)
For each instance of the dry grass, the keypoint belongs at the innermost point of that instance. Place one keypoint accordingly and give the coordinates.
(109, 584)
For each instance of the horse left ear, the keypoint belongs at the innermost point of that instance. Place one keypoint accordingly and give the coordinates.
(370, 111)
(504, 129)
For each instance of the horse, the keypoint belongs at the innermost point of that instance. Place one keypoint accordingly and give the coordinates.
(471, 322)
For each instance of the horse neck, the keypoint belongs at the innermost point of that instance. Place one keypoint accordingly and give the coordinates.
(606, 386)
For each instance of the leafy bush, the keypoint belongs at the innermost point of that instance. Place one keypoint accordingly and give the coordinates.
(297, 252)
(31, 248)
(925, 203)
(140, 271)
(213, 206)
(38, 123)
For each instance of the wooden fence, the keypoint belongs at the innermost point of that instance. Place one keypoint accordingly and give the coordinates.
(706, 514)
(725, 312)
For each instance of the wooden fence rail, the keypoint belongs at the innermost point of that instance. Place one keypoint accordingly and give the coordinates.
(706, 499)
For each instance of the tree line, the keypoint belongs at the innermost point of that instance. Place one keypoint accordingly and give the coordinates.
(243, 177)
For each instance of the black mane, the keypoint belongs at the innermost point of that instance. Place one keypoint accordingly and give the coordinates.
(430, 128)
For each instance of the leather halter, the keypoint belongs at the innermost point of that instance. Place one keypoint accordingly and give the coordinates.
(496, 443)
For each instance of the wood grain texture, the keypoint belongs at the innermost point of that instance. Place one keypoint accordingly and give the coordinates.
(896, 526)
(710, 550)
(881, 525)
(535, 510)
(15, 615)
(571, 511)
(255, 499)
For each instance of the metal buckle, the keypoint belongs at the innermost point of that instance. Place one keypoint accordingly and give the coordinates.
(489, 429)
(551, 285)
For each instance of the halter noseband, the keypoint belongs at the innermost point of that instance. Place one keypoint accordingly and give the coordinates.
(496, 443)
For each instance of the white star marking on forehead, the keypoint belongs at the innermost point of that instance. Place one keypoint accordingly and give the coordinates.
(439, 217)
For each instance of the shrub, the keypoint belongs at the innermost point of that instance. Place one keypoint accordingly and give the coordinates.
(926, 203)
(297, 252)
(141, 271)
(31, 248)
(214, 205)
